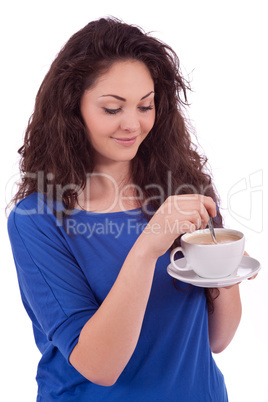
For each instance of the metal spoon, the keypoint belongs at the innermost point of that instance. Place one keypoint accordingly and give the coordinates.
(211, 229)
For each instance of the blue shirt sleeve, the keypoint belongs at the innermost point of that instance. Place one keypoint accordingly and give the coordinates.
(53, 287)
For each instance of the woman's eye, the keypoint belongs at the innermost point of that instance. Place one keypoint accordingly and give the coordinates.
(111, 111)
(115, 111)
(145, 108)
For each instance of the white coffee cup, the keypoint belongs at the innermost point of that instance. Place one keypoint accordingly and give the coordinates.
(211, 260)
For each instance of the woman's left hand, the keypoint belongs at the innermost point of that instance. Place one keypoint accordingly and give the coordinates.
(252, 277)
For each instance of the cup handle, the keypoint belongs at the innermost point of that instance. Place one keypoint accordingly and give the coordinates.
(172, 255)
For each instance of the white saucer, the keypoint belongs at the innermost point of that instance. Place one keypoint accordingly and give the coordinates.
(247, 268)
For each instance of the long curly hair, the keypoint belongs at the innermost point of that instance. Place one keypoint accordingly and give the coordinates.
(56, 141)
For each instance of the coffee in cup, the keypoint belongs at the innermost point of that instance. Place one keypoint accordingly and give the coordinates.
(207, 259)
(205, 238)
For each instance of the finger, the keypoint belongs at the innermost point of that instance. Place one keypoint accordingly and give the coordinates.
(210, 205)
(204, 216)
(231, 286)
(252, 277)
(203, 207)
(187, 227)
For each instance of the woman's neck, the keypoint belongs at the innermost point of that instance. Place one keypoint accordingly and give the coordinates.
(109, 189)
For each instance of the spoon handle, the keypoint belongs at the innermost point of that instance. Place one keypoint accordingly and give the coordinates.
(211, 229)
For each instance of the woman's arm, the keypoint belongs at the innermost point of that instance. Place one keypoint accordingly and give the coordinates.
(108, 339)
(224, 320)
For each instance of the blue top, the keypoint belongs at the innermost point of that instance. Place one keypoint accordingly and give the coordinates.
(64, 274)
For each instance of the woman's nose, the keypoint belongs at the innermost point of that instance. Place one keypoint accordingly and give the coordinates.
(130, 122)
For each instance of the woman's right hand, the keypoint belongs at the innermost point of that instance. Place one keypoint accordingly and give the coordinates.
(177, 215)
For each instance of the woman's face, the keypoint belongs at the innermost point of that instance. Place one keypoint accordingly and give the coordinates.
(119, 111)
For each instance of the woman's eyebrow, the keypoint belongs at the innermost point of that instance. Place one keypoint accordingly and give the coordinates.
(123, 99)
(146, 96)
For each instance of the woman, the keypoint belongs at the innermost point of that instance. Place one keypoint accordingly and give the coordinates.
(110, 182)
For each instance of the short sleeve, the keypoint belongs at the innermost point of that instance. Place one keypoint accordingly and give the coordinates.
(53, 286)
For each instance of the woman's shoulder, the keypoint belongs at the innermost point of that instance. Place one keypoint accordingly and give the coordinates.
(37, 204)
(31, 213)
(30, 204)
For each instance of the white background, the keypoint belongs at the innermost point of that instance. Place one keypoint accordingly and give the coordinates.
(223, 51)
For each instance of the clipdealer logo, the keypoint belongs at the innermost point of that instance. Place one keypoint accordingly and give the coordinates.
(245, 201)
(245, 198)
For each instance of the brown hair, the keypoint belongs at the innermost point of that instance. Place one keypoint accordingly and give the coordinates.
(56, 141)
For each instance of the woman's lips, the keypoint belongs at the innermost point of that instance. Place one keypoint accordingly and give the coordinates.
(125, 141)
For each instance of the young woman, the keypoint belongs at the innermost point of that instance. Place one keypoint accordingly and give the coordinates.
(110, 180)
